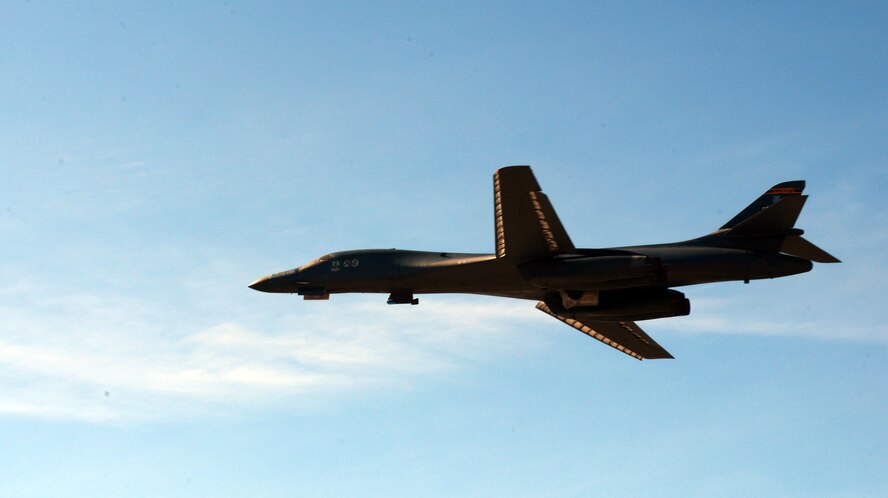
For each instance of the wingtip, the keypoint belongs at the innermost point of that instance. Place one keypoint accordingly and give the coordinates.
(513, 167)
(666, 356)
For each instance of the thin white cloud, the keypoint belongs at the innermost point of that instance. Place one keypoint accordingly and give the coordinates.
(217, 349)
(100, 358)
(720, 316)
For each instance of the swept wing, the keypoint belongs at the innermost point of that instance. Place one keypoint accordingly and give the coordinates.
(622, 336)
(526, 223)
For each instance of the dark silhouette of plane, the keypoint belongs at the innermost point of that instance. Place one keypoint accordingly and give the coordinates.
(600, 292)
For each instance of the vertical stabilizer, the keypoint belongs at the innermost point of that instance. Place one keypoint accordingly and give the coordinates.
(777, 218)
(772, 196)
(768, 225)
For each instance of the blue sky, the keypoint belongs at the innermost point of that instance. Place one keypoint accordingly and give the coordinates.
(156, 159)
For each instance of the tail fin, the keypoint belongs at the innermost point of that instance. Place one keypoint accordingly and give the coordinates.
(778, 218)
(772, 196)
(768, 224)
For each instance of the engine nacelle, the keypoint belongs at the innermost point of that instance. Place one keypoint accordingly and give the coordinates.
(620, 305)
(596, 272)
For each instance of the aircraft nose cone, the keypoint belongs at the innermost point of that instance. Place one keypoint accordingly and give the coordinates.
(261, 284)
(287, 281)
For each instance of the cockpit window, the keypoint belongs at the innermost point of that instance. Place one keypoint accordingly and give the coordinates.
(322, 259)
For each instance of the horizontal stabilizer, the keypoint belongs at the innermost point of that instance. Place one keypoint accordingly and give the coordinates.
(796, 245)
(526, 223)
(626, 337)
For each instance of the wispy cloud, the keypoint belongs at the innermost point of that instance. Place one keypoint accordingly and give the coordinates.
(98, 358)
(190, 343)
(721, 316)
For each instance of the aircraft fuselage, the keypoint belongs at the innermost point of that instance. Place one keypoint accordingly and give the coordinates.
(600, 292)
(420, 272)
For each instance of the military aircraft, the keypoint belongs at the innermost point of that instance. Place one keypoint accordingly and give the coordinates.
(600, 292)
